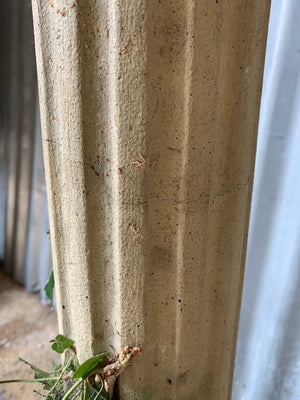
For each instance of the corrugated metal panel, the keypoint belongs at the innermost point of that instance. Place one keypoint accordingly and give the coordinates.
(38, 252)
(12, 119)
(4, 95)
(26, 134)
(268, 355)
(24, 244)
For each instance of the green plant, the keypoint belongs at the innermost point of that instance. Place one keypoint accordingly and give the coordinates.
(49, 287)
(92, 380)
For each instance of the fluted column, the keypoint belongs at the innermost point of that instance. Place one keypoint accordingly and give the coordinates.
(149, 115)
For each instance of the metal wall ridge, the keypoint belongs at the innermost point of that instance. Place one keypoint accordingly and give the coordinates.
(24, 243)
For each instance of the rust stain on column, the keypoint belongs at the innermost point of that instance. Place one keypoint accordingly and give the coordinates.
(149, 114)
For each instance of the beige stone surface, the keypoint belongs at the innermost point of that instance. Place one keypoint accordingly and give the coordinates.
(26, 326)
(149, 116)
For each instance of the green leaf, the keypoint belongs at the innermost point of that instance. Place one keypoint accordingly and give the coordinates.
(54, 396)
(38, 373)
(55, 367)
(73, 365)
(104, 395)
(89, 365)
(72, 389)
(61, 343)
(49, 287)
(48, 385)
(40, 394)
(91, 394)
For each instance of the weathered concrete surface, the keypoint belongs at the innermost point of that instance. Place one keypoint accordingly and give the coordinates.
(149, 116)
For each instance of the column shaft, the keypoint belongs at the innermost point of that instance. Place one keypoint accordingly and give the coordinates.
(149, 115)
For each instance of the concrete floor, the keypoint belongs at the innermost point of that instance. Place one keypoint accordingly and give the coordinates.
(26, 326)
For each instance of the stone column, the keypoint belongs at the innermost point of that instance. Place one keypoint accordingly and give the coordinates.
(149, 115)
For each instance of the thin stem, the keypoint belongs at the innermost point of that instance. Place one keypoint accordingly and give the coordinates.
(61, 375)
(68, 350)
(32, 366)
(42, 395)
(99, 393)
(84, 390)
(55, 372)
(29, 380)
(71, 390)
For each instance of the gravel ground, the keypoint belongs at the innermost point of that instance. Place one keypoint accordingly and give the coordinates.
(26, 326)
